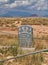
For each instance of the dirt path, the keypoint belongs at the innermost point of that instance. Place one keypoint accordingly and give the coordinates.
(37, 30)
(40, 30)
(8, 32)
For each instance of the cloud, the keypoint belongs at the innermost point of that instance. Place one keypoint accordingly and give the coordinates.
(39, 5)
(3, 0)
(18, 3)
(32, 4)
(25, 5)
(12, 5)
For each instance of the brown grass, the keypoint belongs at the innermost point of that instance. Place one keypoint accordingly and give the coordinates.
(40, 30)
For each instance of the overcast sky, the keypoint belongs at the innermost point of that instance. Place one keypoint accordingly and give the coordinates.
(23, 6)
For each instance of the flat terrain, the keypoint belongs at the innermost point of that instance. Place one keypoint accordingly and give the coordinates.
(9, 33)
(39, 31)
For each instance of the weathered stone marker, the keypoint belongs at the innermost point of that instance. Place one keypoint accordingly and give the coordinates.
(25, 36)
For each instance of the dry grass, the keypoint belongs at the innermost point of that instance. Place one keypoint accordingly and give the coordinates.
(11, 22)
(39, 30)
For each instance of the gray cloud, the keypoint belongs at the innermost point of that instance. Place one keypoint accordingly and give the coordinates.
(28, 4)
(39, 5)
(3, 0)
(18, 3)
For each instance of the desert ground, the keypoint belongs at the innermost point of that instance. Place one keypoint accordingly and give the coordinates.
(9, 33)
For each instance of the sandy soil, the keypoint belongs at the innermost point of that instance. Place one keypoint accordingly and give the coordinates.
(38, 30)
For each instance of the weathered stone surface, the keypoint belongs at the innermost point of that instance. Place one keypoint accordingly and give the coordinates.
(25, 36)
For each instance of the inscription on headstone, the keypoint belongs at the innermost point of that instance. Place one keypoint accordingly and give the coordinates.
(25, 36)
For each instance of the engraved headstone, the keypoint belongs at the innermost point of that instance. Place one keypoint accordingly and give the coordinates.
(25, 36)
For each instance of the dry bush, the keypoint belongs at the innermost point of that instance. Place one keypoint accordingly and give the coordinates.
(10, 22)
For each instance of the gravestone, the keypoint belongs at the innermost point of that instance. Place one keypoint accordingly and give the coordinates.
(25, 36)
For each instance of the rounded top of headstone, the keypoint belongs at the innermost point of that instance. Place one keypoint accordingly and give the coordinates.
(25, 29)
(25, 26)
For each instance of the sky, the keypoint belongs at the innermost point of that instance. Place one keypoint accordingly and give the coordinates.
(23, 7)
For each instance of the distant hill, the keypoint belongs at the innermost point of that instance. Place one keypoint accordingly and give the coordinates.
(22, 14)
(34, 15)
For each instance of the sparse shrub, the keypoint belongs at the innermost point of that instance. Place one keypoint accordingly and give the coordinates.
(1, 63)
(1, 51)
(14, 49)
